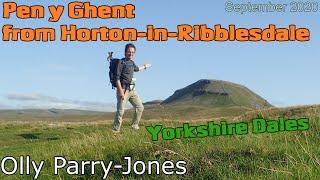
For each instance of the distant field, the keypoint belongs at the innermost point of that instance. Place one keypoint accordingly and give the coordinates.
(284, 155)
(158, 112)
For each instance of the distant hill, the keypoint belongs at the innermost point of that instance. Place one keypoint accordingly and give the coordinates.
(47, 114)
(205, 99)
(216, 93)
(302, 111)
(154, 102)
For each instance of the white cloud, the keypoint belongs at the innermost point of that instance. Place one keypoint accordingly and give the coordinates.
(38, 101)
(4, 106)
(30, 97)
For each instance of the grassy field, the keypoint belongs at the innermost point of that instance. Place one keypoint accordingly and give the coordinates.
(283, 155)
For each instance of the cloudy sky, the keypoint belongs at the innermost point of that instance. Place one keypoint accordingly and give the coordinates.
(38, 101)
(74, 74)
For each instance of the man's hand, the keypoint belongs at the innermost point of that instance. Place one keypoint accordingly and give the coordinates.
(147, 66)
(109, 56)
(144, 67)
(121, 94)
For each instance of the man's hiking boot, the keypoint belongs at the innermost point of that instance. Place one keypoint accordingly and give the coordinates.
(135, 127)
(115, 131)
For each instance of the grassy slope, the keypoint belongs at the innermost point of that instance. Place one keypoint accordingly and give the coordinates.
(264, 156)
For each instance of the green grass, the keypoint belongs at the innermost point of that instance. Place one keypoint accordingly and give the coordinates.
(283, 155)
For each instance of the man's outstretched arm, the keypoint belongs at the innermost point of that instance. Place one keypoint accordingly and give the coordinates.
(144, 67)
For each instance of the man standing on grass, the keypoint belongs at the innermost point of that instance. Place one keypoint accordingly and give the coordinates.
(125, 84)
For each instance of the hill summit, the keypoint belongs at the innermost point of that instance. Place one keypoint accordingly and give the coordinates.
(216, 93)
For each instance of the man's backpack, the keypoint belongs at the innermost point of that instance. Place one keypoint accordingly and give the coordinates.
(114, 63)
